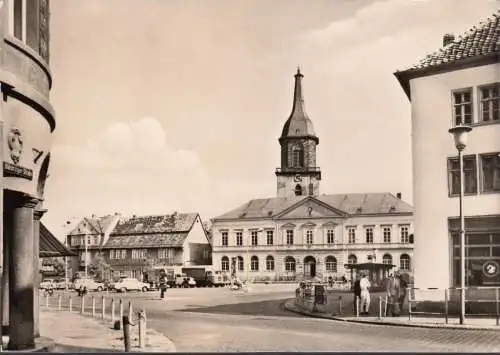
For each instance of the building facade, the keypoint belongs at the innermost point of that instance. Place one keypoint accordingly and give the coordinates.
(302, 234)
(26, 126)
(459, 84)
(133, 245)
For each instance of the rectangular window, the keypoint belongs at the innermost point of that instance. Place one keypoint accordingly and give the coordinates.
(369, 235)
(330, 236)
(309, 237)
(165, 253)
(270, 237)
(255, 238)
(387, 234)
(490, 171)
(463, 107)
(89, 240)
(18, 19)
(404, 232)
(32, 27)
(490, 103)
(470, 175)
(351, 234)
(289, 236)
(224, 239)
(138, 253)
(239, 238)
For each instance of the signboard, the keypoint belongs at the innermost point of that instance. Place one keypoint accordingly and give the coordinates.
(491, 268)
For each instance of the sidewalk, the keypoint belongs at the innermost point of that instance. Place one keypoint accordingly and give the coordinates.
(403, 321)
(73, 332)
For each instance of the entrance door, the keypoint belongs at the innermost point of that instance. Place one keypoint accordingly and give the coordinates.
(309, 267)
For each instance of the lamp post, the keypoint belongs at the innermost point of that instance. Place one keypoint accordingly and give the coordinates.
(460, 134)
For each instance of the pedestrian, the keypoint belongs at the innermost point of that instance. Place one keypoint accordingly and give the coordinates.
(364, 285)
(357, 294)
(393, 294)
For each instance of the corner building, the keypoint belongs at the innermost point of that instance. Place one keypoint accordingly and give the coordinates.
(302, 234)
(457, 85)
(27, 123)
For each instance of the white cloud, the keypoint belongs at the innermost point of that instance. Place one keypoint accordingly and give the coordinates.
(130, 168)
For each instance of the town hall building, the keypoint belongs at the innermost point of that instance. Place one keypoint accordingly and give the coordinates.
(302, 234)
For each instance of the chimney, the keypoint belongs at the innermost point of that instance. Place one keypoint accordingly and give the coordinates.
(398, 195)
(448, 38)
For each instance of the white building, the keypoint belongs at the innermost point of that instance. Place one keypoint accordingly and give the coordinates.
(302, 234)
(459, 84)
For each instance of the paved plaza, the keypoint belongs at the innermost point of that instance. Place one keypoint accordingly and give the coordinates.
(219, 319)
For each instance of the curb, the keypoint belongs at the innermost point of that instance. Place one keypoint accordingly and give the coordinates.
(290, 306)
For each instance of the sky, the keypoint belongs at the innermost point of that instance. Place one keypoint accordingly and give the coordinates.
(177, 105)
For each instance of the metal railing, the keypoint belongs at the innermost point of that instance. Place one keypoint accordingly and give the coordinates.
(115, 314)
(474, 296)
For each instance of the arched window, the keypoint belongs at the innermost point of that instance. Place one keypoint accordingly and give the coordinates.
(331, 264)
(297, 157)
(254, 263)
(289, 264)
(224, 263)
(298, 190)
(404, 262)
(241, 264)
(269, 263)
(387, 259)
(352, 259)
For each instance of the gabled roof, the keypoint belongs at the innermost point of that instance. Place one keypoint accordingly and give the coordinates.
(351, 204)
(160, 231)
(93, 225)
(50, 246)
(479, 43)
(173, 223)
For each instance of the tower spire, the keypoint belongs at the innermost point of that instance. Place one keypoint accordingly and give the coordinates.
(298, 99)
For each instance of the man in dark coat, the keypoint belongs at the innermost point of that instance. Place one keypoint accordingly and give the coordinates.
(357, 294)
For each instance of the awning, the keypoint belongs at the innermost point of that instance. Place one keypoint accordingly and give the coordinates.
(50, 246)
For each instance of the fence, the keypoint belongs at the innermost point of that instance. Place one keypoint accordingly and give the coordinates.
(97, 307)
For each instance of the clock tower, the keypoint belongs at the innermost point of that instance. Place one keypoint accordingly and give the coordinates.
(298, 174)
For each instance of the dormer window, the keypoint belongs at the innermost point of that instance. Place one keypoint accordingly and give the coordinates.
(298, 190)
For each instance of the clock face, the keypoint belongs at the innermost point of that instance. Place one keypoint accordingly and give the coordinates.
(297, 178)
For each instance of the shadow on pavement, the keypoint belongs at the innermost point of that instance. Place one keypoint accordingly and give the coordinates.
(75, 349)
(261, 308)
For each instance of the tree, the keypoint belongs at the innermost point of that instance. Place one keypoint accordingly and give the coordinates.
(99, 267)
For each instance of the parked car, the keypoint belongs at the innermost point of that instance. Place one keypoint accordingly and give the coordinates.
(45, 284)
(61, 284)
(131, 284)
(91, 284)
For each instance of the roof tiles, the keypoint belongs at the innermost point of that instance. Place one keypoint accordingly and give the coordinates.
(480, 40)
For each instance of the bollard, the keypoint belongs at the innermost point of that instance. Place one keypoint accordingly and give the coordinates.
(142, 329)
(113, 311)
(70, 304)
(126, 333)
(340, 305)
(379, 307)
(446, 305)
(121, 311)
(357, 307)
(46, 301)
(83, 305)
(59, 302)
(93, 306)
(103, 308)
(497, 306)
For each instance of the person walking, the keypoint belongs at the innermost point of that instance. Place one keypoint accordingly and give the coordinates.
(357, 295)
(393, 293)
(365, 285)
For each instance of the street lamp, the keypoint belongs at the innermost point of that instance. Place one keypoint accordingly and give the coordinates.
(460, 135)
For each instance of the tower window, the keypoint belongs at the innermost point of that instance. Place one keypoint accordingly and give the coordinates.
(311, 189)
(298, 190)
(297, 157)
